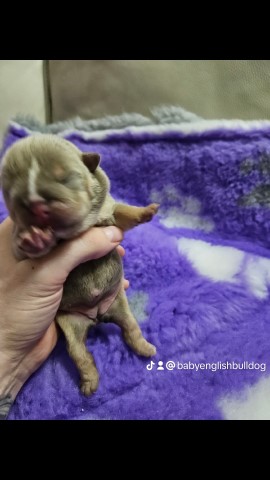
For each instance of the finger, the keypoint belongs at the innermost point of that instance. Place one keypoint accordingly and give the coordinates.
(126, 283)
(95, 243)
(121, 250)
(7, 257)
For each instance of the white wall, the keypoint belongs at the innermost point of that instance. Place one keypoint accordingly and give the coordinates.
(21, 90)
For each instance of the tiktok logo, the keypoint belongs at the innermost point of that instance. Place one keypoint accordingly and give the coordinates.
(150, 365)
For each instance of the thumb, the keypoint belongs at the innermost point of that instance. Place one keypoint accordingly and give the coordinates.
(94, 243)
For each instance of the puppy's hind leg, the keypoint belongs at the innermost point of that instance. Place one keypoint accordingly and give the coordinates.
(75, 330)
(127, 216)
(120, 313)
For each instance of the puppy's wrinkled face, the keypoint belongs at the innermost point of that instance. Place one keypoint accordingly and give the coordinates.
(46, 183)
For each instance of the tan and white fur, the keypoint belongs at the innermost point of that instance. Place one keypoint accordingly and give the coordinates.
(53, 191)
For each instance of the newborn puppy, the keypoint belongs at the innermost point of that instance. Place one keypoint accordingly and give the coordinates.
(53, 191)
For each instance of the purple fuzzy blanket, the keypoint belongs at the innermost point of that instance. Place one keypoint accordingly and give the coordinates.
(199, 275)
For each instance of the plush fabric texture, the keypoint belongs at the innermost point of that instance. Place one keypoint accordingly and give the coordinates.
(199, 276)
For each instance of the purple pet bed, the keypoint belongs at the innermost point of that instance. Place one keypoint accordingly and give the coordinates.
(199, 276)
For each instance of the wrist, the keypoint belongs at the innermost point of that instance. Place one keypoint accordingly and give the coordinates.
(7, 384)
(11, 380)
(5, 405)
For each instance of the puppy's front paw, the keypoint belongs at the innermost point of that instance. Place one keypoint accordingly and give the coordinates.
(90, 384)
(35, 242)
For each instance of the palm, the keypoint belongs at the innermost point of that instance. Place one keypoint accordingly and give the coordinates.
(30, 295)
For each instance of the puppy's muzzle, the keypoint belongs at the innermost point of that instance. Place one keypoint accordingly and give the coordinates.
(41, 212)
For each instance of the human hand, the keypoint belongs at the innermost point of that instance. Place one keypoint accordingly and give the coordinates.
(30, 294)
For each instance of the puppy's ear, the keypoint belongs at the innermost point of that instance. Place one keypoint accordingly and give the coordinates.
(91, 161)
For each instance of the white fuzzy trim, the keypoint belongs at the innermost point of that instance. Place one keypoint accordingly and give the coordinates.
(186, 128)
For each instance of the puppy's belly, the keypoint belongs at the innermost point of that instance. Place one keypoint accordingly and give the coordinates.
(100, 308)
(92, 287)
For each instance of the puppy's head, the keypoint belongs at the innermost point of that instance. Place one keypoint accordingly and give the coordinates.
(48, 182)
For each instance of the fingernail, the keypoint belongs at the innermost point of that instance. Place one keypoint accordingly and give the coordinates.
(113, 233)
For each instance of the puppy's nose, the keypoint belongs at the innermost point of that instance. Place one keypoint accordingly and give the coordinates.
(40, 209)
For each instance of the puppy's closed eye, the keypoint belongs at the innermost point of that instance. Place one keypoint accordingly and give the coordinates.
(69, 178)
